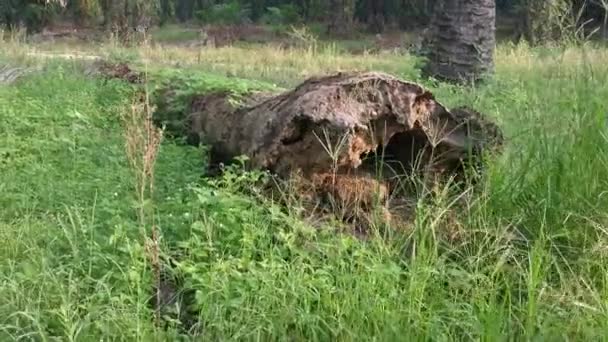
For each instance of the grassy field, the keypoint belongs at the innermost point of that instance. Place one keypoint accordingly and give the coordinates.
(525, 259)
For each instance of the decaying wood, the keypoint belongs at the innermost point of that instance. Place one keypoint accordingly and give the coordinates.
(340, 125)
(108, 70)
(331, 124)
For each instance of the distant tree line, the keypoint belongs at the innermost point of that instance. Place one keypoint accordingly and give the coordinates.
(536, 19)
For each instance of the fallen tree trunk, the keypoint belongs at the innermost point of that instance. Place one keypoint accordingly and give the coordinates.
(327, 125)
(337, 130)
(332, 124)
(10, 74)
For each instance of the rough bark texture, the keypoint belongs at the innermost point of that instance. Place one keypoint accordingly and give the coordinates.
(341, 20)
(377, 19)
(335, 132)
(333, 123)
(464, 40)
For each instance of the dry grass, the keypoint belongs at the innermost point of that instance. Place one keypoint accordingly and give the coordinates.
(142, 144)
(283, 66)
(521, 58)
(289, 66)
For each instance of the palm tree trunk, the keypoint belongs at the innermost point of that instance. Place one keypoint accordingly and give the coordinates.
(341, 17)
(464, 40)
(377, 19)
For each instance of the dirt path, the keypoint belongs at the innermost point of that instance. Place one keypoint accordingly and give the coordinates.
(63, 55)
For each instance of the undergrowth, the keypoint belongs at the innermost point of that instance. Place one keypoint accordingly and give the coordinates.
(174, 90)
(526, 257)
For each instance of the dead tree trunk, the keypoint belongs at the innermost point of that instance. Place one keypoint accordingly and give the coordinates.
(335, 124)
(351, 137)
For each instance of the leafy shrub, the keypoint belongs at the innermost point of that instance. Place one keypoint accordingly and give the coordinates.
(551, 21)
(33, 14)
(283, 14)
(232, 12)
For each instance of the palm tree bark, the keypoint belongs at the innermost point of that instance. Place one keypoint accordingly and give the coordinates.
(341, 17)
(464, 40)
(377, 19)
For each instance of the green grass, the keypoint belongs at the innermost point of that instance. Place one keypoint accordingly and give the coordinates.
(173, 90)
(529, 260)
(174, 34)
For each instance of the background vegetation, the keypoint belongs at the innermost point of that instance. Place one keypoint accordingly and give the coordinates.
(534, 20)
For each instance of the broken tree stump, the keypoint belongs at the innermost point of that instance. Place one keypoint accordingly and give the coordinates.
(342, 125)
(332, 124)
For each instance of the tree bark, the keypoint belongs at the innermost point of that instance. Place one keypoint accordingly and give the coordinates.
(341, 17)
(353, 137)
(463, 41)
(332, 124)
(377, 18)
